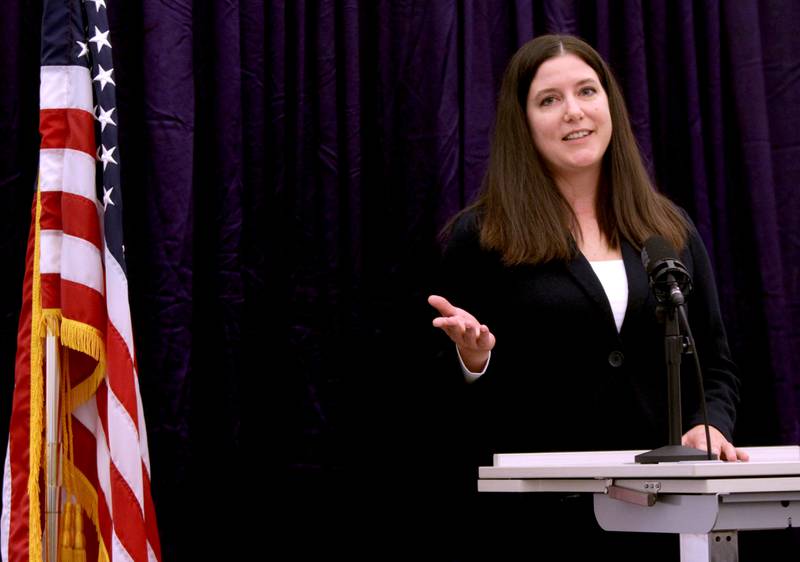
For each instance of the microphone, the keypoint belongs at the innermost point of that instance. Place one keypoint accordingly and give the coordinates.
(671, 284)
(669, 278)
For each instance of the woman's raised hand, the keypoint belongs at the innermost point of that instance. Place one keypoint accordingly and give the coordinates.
(474, 340)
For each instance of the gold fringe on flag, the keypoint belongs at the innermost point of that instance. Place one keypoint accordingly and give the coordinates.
(37, 392)
(86, 339)
(51, 318)
(80, 337)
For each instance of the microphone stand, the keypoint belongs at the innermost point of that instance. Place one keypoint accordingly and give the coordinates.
(674, 348)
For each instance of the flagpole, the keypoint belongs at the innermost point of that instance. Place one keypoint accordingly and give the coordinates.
(51, 396)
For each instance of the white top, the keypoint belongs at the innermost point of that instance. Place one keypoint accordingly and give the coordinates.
(611, 274)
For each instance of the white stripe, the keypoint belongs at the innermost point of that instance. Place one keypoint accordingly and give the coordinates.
(87, 415)
(5, 516)
(143, 448)
(124, 441)
(118, 552)
(117, 300)
(50, 251)
(151, 556)
(65, 87)
(81, 262)
(75, 259)
(67, 170)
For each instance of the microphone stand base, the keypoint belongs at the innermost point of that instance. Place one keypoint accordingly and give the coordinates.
(673, 453)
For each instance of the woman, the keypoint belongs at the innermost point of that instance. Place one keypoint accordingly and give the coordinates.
(551, 314)
(549, 254)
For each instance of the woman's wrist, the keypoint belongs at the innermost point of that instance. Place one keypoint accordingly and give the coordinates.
(474, 360)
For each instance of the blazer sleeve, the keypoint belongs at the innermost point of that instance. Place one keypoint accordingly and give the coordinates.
(705, 319)
(467, 278)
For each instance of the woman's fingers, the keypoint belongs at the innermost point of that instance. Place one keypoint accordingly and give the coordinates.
(731, 453)
(461, 326)
(465, 329)
(465, 332)
(452, 316)
(695, 437)
(727, 451)
(485, 338)
(442, 305)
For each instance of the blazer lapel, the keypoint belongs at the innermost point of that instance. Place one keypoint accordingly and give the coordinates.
(582, 272)
(638, 283)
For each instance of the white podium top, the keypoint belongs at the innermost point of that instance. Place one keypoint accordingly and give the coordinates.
(764, 461)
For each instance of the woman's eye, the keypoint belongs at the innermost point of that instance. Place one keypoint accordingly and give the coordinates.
(549, 100)
(588, 91)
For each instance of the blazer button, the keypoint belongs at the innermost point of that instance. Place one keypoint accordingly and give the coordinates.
(615, 358)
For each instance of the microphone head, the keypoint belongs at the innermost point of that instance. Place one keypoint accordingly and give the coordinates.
(656, 249)
(660, 261)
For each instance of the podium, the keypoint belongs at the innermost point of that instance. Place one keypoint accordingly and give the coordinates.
(706, 502)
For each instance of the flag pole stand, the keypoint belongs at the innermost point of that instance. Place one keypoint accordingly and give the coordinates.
(52, 376)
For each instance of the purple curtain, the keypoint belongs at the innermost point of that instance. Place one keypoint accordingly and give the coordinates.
(287, 167)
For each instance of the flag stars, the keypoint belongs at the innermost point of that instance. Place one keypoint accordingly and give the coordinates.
(107, 198)
(97, 4)
(100, 39)
(107, 156)
(84, 49)
(104, 77)
(104, 117)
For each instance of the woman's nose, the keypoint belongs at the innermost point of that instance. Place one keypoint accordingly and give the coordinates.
(572, 110)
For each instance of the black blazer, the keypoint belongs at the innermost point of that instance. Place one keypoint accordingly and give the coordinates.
(561, 376)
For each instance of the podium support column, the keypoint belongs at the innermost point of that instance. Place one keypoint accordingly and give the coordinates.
(716, 546)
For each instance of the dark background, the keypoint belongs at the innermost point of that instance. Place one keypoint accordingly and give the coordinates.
(287, 167)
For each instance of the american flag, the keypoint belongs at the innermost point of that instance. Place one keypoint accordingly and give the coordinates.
(76, 284)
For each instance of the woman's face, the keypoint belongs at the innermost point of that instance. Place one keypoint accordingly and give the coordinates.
(568, 115)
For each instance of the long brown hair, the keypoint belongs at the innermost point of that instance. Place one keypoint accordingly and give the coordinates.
(522, 213)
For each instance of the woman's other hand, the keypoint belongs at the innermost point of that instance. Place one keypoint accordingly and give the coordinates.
(696, 437)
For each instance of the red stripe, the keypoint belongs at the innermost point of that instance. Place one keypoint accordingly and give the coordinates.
(120, 373)
(80, 218)
(128, 517)
(19, 429)
(104, 519)
(67, 128)
(50, 219)
(80, 367)
(103, 513)
(83, 304)
(73, 214)
(84, 446)
(90, 538)
(80, 303)
(50, 288)
(85, 460)
(150, 516)
(101, 398)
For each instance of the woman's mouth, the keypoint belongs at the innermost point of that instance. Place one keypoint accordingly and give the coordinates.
(575, 135)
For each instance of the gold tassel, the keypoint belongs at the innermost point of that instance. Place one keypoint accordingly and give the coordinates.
(66, 535)
(79, 552)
